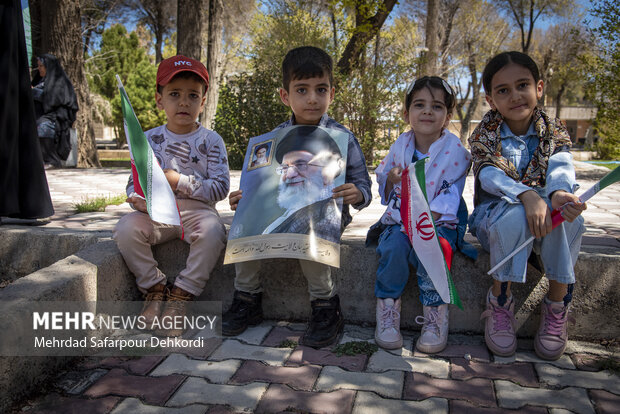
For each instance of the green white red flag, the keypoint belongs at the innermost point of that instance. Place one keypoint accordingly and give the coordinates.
(149, 180)
(434, 252)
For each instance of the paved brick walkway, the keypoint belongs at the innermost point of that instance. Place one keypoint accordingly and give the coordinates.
(69, 186)
(253, 373)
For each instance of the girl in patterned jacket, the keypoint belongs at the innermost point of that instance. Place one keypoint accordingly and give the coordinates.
(523, 169)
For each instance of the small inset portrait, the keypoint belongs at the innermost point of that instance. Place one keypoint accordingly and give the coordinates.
(261, 155)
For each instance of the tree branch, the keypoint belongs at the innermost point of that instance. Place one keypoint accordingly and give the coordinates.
(362, 36)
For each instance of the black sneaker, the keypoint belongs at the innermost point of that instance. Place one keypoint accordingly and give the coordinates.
(246, 310)
(325, 324)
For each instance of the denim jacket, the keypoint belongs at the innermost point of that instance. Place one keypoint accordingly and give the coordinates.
(519, 151)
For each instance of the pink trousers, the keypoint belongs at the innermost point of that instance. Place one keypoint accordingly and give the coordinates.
(135, 233)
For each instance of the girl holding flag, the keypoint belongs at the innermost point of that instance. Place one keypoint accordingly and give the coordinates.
(523, 169)
(412, 240)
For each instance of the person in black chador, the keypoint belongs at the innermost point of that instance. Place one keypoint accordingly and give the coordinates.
(55, 109)
(23, 185)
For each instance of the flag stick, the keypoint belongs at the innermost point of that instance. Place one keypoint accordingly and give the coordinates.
(556, 215)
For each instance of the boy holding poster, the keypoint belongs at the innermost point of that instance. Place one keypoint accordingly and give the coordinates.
(195, 165)
(307, 88)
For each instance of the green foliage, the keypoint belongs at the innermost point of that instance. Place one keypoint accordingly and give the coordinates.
(605, 86)
(356, 348)
(98, 203)
(287, 343)
(285, 26)
(120, 53)
(248, 106)
(606, 165)
(367, 100)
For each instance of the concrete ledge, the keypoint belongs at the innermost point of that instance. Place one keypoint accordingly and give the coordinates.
(285, 296)
(26, 250)
(98, 272)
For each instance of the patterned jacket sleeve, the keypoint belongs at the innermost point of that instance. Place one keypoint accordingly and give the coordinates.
(215, 185)
(357, 173)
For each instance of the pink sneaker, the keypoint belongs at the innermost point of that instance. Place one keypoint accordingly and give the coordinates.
(387, 332)
(499, 328)
(434, 335)
(552, 336)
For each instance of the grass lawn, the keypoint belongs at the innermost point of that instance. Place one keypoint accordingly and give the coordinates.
(89, 204)
(605, 164)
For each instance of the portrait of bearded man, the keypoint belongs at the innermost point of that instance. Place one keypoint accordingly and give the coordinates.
(261, 155)
(309, 161)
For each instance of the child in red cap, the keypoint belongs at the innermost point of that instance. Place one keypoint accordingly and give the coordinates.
(195, 162)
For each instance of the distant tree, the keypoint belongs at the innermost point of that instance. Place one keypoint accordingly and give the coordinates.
(369, 17)
(121, 54)
(364, 70)
(605, 70)
(201, 25)
(159, 16)
(525, 13)
(247, 108)
(480, 33)
(368, 101)
(57, 25)
(432, 29)
(95, 15)
(560, 54)
(213, 55)
(227, 29)
(447, 13)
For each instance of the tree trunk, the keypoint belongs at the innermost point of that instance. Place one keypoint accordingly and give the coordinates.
(334, 29)
(558, 99)
(366, 29)
(475, 99)
(448, 22)
(61, 35)
(159, 40)
(35, 27)
(214, 48)
(429, 61)
(189, 28)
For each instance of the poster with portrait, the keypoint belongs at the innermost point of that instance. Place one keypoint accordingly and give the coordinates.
(287, 209)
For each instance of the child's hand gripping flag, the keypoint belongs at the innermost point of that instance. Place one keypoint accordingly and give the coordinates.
(434, 252)
(149, 179)
(556, 215)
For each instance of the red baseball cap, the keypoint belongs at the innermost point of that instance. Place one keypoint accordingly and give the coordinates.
(179, 63)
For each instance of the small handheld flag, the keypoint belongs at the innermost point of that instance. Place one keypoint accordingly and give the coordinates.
(148, 178)
(434, 252)
(556, 215)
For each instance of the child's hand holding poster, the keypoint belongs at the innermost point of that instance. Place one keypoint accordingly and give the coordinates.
(287, 209)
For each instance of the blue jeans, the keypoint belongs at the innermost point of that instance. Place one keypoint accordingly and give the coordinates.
(501, 227)
(395, 256)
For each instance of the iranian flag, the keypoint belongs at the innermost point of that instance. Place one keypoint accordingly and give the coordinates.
(149, 180)
(433, 251)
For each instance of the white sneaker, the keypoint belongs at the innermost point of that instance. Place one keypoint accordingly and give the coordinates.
(434, 335)
(387, 333)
